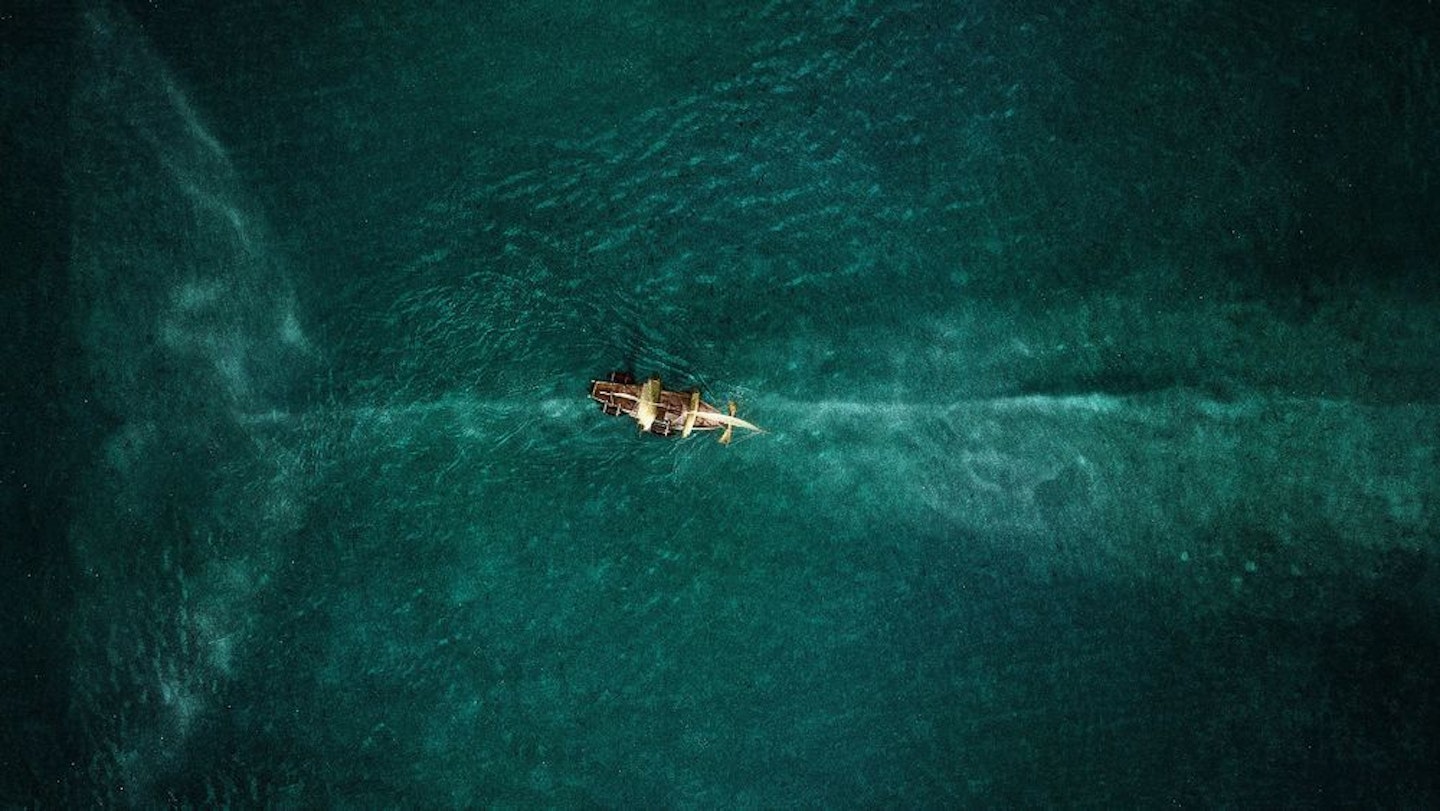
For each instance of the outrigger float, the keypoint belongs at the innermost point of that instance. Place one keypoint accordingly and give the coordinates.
(663, 412)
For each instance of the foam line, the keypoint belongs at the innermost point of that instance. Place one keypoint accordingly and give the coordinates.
(569, 407)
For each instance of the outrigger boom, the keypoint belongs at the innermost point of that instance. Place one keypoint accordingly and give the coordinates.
(663, 412)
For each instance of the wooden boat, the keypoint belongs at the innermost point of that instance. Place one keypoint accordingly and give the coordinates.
(663, 412)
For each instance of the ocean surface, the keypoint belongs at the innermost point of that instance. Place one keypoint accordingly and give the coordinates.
(1096, 347)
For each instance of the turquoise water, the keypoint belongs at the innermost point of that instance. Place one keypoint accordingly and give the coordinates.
(1095, 349)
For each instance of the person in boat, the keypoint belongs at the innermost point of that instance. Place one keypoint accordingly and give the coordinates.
(663, 412)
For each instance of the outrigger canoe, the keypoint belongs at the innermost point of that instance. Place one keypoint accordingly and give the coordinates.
(663, 412)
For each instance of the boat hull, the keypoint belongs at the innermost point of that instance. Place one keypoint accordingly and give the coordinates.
(675, 413)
